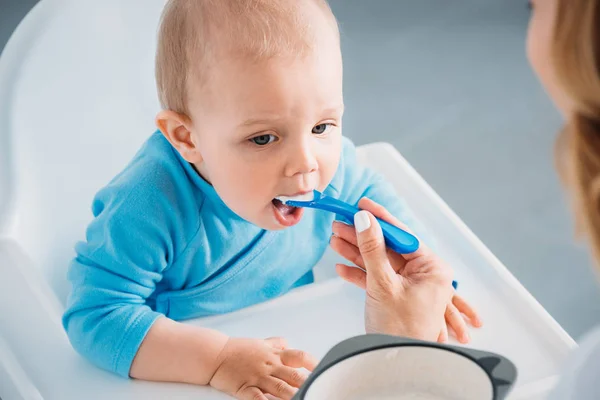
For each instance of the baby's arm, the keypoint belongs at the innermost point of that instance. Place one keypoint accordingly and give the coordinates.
(129, 245)
(174, 352)
(133, 238)
(113, 274)
(243, 368)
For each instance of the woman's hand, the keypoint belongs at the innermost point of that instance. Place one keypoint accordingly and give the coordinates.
(407, 295)
(458, 312)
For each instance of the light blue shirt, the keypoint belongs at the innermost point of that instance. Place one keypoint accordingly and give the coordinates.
(162, 242)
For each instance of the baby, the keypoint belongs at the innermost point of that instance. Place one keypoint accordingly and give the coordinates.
(253, 105)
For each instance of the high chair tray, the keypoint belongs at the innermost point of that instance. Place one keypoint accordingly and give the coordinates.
(77, 99)
(37, 361)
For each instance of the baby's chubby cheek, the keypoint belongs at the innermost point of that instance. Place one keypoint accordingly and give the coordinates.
(249, 196)
(329, 164)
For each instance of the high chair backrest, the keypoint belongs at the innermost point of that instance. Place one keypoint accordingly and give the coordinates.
(77, 99)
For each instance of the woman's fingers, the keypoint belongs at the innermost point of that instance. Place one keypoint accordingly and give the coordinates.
(353, 275)
(465, 308)
(373, 251)
(380, 212)
(345, 243)
(345, 232)
(456, 321)
(347, 250)
(348, 233)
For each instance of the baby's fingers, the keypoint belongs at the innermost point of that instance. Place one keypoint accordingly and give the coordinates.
(465, 308)
(456, 321)
(277, 342)
(292, 376)
(278, 388)
(298, 359)
(251, 393)
(443, 338)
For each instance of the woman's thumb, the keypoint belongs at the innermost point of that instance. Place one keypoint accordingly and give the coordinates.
(372, 247)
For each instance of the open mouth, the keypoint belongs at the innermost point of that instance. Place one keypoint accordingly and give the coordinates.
(288, 215)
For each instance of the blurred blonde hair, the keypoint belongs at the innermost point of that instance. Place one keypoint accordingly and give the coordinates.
(576, 59)
(195, 35)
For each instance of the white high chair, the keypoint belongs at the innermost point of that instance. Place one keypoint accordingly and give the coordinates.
(77, 98)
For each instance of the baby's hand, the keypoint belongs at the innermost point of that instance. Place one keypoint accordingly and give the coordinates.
(250, 368)
(457, 312)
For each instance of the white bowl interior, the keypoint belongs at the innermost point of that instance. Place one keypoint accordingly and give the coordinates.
(403, 373)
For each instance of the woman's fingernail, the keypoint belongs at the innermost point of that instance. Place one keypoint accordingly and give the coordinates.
(362, 222)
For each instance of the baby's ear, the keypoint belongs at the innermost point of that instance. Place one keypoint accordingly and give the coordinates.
(177, 129)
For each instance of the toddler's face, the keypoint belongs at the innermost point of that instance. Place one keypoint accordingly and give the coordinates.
(272, 128)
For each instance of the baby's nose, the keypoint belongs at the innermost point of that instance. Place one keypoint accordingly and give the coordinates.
(302, 161)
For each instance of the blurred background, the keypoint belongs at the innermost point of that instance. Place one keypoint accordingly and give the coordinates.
(448, 84)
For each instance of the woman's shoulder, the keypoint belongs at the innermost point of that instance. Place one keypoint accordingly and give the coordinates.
(580, 375)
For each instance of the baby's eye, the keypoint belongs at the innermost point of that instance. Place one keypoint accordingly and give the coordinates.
(263, 140)
(320, 129)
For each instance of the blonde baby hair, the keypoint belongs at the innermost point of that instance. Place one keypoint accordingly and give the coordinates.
(195, 35)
